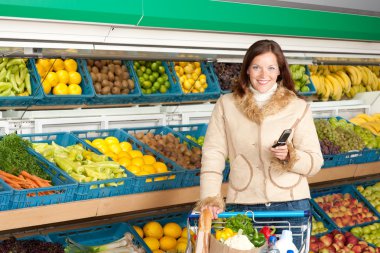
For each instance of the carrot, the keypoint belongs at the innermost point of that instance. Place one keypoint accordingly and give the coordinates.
(32, 178)
(10, 176)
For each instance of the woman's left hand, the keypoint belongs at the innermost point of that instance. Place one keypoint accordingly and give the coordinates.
(280, 152)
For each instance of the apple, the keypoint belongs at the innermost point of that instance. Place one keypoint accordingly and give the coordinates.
(335, 245)
(363, 244)
(327, 240)
(339, 238)
(324, 250)
(352, 240)
(331, 249)
(357, 249)
(313, 238)
(370, 249)
(350, 245)
(314, 246)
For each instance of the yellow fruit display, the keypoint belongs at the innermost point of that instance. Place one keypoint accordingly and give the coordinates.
(63, 76)
(160, 167)
(190, 76)
(172, 229)
(167, 243)
(152, 243)
(125, 146)
(60, 89)
(70, 65)
(58, 65)
(153, 229)
(52, 78)
(74, 89)
(74, 77)
(139, 231)
(148, 159)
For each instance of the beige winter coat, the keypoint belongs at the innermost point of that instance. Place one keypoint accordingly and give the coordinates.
(243, 133)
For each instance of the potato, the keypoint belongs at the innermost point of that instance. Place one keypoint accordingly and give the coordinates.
(125, 91)
(118, 71)
(117, 84)
(90, 62)
(115, 90)
(104, 62)
(104, 70)
(111, 76)
(124, 68)
(98, 87)
(89, 68)
(95, 69)
(125, 75)
(106, 90)
(117, 62)
(94, 77)
(98, 64)
(105, 83)
(104, 76)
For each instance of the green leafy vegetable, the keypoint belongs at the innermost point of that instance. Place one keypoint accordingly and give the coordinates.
(14, 157)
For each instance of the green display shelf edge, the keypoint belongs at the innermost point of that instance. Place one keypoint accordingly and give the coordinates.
(203, 15)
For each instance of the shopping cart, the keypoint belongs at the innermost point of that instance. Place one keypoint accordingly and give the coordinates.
(279, 219)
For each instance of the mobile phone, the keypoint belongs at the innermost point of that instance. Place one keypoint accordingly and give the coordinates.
(283, 138)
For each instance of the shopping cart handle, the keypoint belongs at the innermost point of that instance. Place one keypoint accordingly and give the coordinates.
(262, 214)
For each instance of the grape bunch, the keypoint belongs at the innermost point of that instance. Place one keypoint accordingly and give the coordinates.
(324, 129)
(348, 140)
(370, 140)
(329, 148)
(228, 74)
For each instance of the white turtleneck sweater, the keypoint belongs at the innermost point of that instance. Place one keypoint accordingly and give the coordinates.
(262, 98)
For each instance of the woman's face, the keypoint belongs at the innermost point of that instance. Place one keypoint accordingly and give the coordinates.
(263, 72)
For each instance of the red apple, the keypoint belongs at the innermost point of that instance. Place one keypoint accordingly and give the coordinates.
(339, 238)
(363, 244)
(314, 246)
(336, 246)
(370, 249)
(324, 250)
(331, 249)
(313, 238)
(352, 240)
(341, 251)
(357, 249)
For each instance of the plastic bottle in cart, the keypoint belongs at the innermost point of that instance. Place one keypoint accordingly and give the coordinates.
(271, 248)
(285, 242)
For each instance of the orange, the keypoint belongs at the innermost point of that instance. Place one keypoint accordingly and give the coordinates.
(74, 77)
(111, 140)
(134, 169)
(135, 153)
(139, 231)
(148, 159)
(61, 89)
(47, 86)
(63, 76)
(125, 162)
(182, 239)
(70, 65)
(138, 161)
(52, 78)
(184, 232)
(148, 168)
(75, 89)
(172, 229)
(160, 167)
(167, 243)
(153, 229)
(152, 243)
(181, 247)
(126, 146)
(58, 64)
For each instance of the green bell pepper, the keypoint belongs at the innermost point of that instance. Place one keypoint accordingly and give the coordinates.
(258, 239)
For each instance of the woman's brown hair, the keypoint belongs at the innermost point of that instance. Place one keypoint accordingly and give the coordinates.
(258, 48)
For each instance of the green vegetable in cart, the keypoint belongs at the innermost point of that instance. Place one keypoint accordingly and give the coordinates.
(245, 223)
(258, 239)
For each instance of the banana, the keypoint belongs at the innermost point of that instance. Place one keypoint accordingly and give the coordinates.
(346, 79)
(341, 81)
(328, 89)
(364, 73)
(352, 74)
(315, 80)
(313, 68)
(370, 127)
(337, 87)
(359, 74)
(357, 121)
(364, 116)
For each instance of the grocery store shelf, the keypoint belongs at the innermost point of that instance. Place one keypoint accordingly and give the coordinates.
(37, 216)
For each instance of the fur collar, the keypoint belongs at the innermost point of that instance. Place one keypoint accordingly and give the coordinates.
(247, 104)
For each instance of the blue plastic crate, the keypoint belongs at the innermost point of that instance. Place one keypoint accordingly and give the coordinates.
(319, 218)
(366, 201)
(341, 159)
(25, 100)
(87, 91)
(113, 99)
(194, 130)
(212, 91)
(6, 194)
(191, 176)
(368, 156)
(311, 86)
(154, 182)
(97, 235)
(88, 190)
(173, 94)
(334, 190)
(62, 191)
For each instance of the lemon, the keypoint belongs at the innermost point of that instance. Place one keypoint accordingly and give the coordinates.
(126, 146)
(139, 231)
(153, 229)
(167, 243)
(160, 167)
(74, 77)
(52, 78)
(124, 154)
(114, 147)
(63, 76)
(148, 168)
(148, 159)
(47, 86)
(137, 161)
(152, 243)
(158, 251)
(181, 247)
(134, 169)
(135, 153)
(75, 89)
(70, 65)
(172, 229)
(111, 140)
(41, 70)
(60, 89)
(182, 239)
(97, 142)
(124, 161)
(58, 64)
(45, 63)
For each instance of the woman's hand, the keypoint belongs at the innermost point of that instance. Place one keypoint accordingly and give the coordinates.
(214, 210)
(280, 152)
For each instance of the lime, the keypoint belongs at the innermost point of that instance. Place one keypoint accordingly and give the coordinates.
(159, 63)
(146, 76)
(143, 68)
(155, 74)
(163, 89)
(136, 64)
(134, 67)
(167, 84)
(156, 85)
(148, 71)
(152, 78)
(143, 91)
(148, 91)
(154, 89)
(142, 62)
(139, 73)
(161, 69)
(160, 80)
(141, 80)
(305, 89)
(165, 76)
(147, 84)
(154, 66)
(148, 64)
